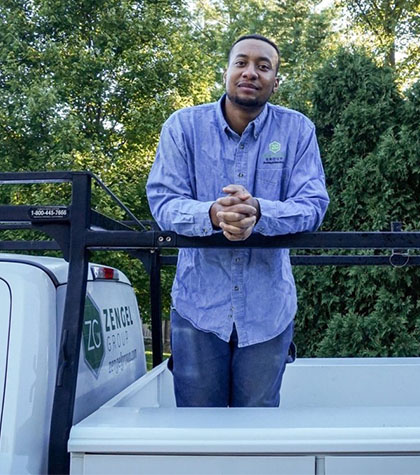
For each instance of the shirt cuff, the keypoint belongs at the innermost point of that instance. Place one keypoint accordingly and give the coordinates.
(202, 222)
(268, 210)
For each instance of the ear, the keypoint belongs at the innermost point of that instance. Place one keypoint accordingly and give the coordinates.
(276, 84)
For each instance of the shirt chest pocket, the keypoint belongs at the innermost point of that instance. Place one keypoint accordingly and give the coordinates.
(271, 183)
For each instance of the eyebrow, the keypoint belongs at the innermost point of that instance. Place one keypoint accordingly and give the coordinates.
(260, 58)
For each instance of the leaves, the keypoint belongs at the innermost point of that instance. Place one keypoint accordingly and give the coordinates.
(369, 137)
(394, 28)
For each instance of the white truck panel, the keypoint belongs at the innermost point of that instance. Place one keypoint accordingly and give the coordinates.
(344, 414)
(31, 366)
(203, 465)
(124, 356)
(384, 465)
(5, 309)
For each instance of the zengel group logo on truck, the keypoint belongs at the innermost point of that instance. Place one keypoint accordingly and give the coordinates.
(93, 340)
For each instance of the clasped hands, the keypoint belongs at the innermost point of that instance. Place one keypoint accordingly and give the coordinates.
(236, 214)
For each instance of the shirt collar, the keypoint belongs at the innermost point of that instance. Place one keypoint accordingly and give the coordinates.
(257, 123)
(220, 116)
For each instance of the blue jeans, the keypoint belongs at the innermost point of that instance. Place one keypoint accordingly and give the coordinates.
(209, 372)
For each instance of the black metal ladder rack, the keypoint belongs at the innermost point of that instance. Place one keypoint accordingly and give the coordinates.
(77, 229)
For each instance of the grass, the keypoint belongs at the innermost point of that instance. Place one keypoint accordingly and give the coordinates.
(149, 360)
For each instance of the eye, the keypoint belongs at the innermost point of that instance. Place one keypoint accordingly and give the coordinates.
(264, 67)
(239, 63)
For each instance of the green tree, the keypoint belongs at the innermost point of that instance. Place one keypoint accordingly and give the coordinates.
(90, 81)
(395, 28)
(87, 84)
(354, 103)
(369, 137)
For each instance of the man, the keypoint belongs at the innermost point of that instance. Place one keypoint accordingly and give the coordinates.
(237, 166)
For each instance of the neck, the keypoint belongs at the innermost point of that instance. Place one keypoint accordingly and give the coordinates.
(238, 117)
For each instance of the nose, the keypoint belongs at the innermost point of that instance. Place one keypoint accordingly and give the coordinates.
(250, 72)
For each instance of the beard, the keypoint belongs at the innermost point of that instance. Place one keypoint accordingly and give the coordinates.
(249, 103)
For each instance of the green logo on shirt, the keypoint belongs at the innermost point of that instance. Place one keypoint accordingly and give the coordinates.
(275, 146)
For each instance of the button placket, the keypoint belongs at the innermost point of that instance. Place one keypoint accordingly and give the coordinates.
(237, 294)
(240, 162)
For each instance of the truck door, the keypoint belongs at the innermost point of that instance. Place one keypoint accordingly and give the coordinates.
(5, 309)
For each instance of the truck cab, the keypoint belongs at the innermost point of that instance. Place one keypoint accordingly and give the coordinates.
(32, 295)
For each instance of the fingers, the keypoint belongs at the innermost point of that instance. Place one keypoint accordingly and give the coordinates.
(231, 216)
(238, 191)
(241, 208)
(229, 200)
(238, 237)
(240, 230)
(236, 214)
(235, 230)
(233, 222)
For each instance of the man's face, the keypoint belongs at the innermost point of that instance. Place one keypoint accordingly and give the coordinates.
(251, 75)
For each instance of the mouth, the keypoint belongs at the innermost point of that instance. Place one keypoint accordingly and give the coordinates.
(248, 85)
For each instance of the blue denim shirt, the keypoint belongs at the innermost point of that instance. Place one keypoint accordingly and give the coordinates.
(277, 160)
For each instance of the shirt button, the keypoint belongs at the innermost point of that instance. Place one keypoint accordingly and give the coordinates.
(229, 316)
(236, 287)
(237, 259)
(241, 146)
(240, 175)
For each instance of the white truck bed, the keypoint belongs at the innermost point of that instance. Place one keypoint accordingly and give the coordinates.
(349, 416)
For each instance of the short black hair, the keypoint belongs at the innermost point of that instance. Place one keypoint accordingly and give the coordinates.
(256, 36)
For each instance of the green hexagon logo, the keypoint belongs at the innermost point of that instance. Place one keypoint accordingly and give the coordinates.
(275, 146)
(93, 339)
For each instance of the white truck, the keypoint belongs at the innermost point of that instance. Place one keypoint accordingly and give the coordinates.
(32, 295)
(337, 416)
(347, 416)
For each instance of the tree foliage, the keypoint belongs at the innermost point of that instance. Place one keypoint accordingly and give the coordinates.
(369, 136)
(395, 28)
(87, 82)
(87, 85)
(354, 103)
